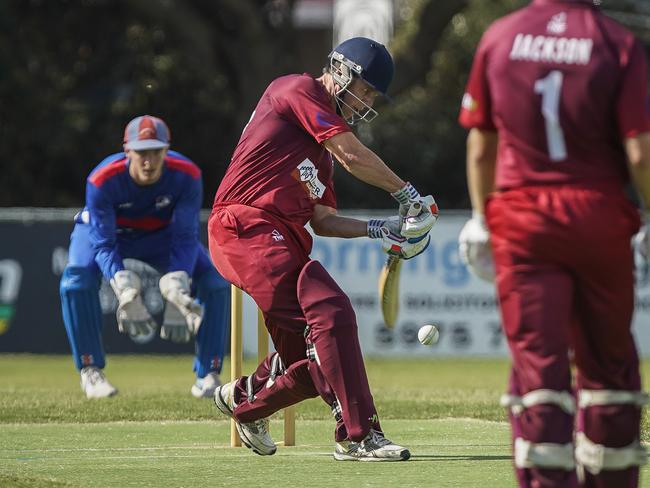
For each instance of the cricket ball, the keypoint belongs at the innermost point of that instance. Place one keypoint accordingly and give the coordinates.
(428, 334)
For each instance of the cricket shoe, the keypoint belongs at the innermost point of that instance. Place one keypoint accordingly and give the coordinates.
(94, 383)
(375, 447)
(254, 435)
(204, 387)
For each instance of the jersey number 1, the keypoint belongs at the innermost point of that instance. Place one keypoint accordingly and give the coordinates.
(551, 89)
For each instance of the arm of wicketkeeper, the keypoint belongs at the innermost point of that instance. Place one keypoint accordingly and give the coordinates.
(184, 247)
(103, 235)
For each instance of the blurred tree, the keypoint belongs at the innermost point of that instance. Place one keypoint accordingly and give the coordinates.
(74, 73)
(418, 134)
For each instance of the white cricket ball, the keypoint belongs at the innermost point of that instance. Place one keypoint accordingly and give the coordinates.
(428, 334)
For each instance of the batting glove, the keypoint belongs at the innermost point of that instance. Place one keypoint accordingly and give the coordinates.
(641, 241)
(133, 318)
(397, 245)
(475, 249)
(375, 225)
(420, 218)
(175, 288)
(419, 214)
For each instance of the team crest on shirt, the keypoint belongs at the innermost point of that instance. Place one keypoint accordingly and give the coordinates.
(163, 201)
(557, 24)
(307, 174)
(469, 103)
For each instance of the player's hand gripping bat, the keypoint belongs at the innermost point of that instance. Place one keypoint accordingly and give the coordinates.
(389, 281)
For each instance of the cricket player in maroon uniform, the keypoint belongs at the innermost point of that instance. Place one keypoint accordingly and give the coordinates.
(279, 179)
(556, 107)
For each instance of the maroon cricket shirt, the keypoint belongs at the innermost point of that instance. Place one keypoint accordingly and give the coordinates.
(530, 75)
(279, 164)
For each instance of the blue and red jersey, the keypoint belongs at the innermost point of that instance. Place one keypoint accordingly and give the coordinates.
(118, 209)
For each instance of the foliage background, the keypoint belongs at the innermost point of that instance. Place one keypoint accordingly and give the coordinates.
(75, 72)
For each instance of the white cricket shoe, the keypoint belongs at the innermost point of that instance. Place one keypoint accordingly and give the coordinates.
(375, 447)
(94, 383)
(254, 435)
(204, 387)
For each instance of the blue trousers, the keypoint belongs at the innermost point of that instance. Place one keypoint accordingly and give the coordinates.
(82, 313)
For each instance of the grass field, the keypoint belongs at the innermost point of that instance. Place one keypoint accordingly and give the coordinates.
(155, 434)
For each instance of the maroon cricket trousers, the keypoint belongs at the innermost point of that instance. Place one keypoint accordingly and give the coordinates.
(303, 309)
(565, 282)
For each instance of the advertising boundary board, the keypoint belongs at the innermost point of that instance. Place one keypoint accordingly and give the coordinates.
(435, 288)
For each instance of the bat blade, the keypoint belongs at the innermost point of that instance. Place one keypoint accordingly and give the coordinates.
(389, 290)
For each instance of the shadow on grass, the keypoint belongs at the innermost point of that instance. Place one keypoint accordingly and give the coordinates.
(458, 457)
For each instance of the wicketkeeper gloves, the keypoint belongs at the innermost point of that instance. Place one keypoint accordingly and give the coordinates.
(133, 318)
(475, 249)
(183, 314)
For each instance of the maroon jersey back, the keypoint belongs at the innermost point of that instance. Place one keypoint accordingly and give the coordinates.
(563, 84)
(279, 164)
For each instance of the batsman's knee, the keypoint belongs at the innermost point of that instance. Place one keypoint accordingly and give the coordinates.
(322, 301)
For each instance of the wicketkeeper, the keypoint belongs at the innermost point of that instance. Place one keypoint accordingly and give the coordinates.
(279, 179)
(144, 203)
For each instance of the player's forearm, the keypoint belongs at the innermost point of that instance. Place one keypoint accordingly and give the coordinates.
(481, 164)
(368, 167)
(337, 226)
(362, 163)
(183, 256)
(109, 262)
(638, 152)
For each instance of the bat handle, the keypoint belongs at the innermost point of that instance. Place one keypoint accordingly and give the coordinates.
(414, 210)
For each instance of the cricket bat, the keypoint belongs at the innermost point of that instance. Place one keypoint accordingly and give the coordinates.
(389, 290)
(389, 281)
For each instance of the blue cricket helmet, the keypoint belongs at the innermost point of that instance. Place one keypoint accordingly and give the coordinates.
(368, 59)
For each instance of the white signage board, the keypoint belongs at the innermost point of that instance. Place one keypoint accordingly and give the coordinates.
(365, 18)
(435, 288)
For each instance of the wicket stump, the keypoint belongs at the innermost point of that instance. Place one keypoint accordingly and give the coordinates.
(237, 357)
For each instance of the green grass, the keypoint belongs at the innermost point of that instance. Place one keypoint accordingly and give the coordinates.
(155, 434)
(36, 389)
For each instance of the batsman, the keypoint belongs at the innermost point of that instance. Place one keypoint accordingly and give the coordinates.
(280, 179)
(144, 203)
